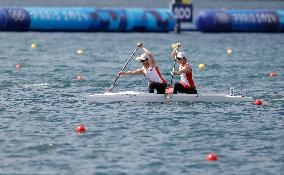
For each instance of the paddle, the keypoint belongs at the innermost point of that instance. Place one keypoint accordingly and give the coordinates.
(170, 89)
(112, 86)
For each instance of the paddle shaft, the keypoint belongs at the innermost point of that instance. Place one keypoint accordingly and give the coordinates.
(172, 74)
(112, 86)
(169, 89)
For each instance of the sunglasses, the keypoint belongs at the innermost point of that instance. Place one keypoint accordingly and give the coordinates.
(143, 60)
(180, 58)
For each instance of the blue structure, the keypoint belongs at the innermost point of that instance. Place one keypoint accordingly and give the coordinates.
(240, 21)
(86, 19)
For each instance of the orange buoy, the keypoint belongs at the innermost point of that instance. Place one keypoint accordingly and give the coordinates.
(211, 157)
(272, 74)
(80, 77)
(258, 102)
(19, 66)
(80, 129)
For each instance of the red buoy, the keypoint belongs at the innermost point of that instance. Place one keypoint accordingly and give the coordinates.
(80, 77)
(211, 157)
(80, 129)
(258, 102)
(19, 66)
(272, 74)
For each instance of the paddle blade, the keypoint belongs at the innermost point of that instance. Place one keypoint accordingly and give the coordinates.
(110, 89)
(169, 90)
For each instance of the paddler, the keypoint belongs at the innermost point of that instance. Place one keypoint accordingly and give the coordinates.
(150, 70)
(186, 83)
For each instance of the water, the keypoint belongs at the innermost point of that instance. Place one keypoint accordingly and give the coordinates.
(42, 104)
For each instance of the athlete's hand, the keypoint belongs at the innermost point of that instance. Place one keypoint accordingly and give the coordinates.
(175, 73)
(139, 45)
(178, 44)
(121, 73)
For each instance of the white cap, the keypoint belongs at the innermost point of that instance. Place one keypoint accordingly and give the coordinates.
(143, 57)
(181, 55)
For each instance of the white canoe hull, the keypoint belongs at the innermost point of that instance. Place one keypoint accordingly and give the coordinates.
(131, 96)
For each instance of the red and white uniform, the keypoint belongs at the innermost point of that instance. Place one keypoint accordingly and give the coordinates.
(186, 79)
(153, 74)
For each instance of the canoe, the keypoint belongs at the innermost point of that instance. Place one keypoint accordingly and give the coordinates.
(132, 96)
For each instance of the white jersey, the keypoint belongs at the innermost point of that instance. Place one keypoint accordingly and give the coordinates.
(153, 74)
(186, 79)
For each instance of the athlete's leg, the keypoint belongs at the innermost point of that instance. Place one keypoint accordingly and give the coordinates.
(191, 91)
(151, 87)
(178, 88)
(161, 88)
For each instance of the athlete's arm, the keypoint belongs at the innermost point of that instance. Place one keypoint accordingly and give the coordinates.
(131, 72)
(152, 61)
(175, 51)
(185, 69)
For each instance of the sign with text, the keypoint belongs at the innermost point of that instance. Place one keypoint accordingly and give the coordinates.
(182, 12)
